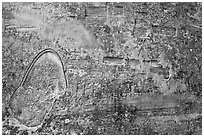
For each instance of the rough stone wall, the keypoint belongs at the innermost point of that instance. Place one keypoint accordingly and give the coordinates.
(111, 52)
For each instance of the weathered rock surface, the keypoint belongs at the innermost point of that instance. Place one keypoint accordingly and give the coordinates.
(130, 68)
(44, 81)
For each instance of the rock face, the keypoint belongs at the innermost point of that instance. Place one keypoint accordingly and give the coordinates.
(128, 68)
(43, 82)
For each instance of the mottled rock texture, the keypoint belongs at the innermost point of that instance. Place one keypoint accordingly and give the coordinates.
(130, 68)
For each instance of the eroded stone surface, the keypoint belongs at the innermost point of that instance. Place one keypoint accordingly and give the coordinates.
(158, 45)
(43, 84)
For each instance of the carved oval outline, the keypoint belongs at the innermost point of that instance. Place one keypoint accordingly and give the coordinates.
(39, 55)
(35, 60)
